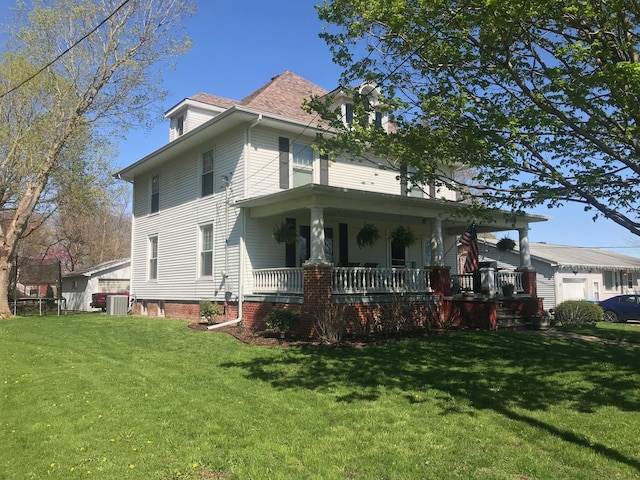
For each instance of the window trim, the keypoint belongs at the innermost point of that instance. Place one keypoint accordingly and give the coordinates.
(202, 252)
(152, 263)
(307, 169)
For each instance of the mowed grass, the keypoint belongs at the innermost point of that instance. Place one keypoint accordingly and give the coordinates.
(115, 398)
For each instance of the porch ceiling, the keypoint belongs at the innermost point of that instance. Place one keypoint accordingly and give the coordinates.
(355, 203)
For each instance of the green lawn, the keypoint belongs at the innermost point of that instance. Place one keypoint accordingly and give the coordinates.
(116, 398)
(622, 332)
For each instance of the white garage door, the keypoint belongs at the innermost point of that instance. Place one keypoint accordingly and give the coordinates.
(573, 289)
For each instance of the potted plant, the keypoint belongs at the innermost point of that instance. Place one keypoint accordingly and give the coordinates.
(368, 235)
(402, 235)
(506, 244)
(285, 233)
(508, 289)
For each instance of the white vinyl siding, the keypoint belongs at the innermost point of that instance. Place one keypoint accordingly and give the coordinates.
(177, 226)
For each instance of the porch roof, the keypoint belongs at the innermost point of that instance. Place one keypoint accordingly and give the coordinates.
(354, 203)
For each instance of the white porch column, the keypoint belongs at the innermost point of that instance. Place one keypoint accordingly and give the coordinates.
(437, 245)
(525, 252)
(317, 237)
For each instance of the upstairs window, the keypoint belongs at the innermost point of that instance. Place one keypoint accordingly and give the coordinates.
(207, 173)
(206, 251)
(155, 193)
(302, 164)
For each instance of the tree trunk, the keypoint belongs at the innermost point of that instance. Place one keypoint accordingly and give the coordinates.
(5, 276)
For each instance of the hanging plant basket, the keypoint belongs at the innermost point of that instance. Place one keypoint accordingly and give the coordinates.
(403, 236)
(284, 233)
(506, 244)
(368, 235)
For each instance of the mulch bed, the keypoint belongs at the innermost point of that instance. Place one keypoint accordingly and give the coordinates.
(270, 340)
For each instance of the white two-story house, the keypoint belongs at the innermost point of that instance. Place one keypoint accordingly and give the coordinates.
(210, 205)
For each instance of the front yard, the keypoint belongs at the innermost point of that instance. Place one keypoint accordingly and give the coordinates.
(92, 396)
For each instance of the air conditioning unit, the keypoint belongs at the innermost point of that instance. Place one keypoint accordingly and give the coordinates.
(117, 304)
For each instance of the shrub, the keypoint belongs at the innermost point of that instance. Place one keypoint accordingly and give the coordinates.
(208, 310)
(330, 323)
(282, 320)
(578, 311)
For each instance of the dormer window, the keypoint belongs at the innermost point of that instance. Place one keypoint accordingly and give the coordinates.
(180, 125)
(362, 108)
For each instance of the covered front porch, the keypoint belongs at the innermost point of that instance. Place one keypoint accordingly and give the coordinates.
(327, 220)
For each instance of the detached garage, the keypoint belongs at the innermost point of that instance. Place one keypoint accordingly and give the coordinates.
(109, 277)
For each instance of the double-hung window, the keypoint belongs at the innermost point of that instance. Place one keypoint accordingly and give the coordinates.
(206, 250)
(155, 193)
(302, 164)
(153, 258)
(207, 173)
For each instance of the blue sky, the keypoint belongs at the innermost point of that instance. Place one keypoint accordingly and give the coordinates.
(239, 45)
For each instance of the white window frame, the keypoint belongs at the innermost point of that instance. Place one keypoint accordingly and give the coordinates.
(203, 251)
(307, 168)
(152, 255)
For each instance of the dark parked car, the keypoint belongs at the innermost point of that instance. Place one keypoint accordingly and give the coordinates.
(621, 308)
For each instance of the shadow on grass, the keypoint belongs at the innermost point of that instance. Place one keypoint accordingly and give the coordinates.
(495, 371)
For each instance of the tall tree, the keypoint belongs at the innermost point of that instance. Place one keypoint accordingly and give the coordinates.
(538, 98)
(74, 74)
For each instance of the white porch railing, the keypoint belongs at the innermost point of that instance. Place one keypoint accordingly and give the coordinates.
(345, 280)
(355, 280)
(278, 280)
(500, 278)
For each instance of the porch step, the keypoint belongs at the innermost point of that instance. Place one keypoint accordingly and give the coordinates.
(507, 319)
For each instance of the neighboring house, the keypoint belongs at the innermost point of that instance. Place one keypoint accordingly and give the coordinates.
(112, 276)
(572, 273)
(206, 207)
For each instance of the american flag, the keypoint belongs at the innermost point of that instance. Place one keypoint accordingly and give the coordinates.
(470, 240)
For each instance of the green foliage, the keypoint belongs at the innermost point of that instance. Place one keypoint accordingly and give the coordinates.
(506, 244)
(539, 108)
(574, 312)
(404, 236)
(285, 233)
(368, 235)
(282, 320)
(209, 310)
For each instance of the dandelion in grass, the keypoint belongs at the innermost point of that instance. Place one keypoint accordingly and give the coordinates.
(194, 465)
(132, 466)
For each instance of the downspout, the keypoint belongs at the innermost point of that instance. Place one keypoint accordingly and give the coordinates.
(242, 244)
